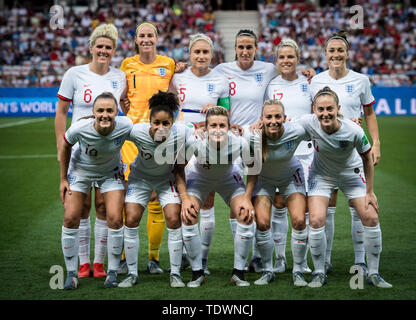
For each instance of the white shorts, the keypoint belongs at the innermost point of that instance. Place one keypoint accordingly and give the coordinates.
(140, 190)
(75, 148)
(306, 161)
(292, 184)
(230, 186)
(79, 182)
(352, 185)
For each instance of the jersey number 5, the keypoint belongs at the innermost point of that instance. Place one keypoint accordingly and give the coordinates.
(87, 95)
(182, 94)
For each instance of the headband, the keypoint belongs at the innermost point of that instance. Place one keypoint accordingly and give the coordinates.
(147, 24)
(339, 38)
(247, 35)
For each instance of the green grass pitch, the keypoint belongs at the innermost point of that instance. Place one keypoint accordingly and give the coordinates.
(31, 220)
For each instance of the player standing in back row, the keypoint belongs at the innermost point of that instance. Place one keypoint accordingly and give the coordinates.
(248, 80)
(147, 73)
(355, 97)
(342, 158)
(80, 86)
(199, 88)
(292, 89)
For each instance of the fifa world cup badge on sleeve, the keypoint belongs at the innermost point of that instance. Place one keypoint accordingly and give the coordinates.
(365, 140)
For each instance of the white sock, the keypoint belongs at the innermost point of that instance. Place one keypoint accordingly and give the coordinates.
(305, 261)
(280, 227)
(233, 225)
(329, 232)
(255, 250)
(115, 247)
(84, 241)
(70, 246)
(131, 248)
(317, 243)
(206, 227)
(100, 236)
(242, 242)
(298, 244)
(175, 249)
(357, 233)
(265, 248)
(373, 247)
(192, 242)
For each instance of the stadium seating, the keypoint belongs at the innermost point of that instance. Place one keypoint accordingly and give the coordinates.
(385, 48)
(34, 55)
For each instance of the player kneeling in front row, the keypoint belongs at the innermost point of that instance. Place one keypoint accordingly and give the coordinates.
(337, 163)
(97, 160)
(158, 143)
(280, 169)
(213, 169)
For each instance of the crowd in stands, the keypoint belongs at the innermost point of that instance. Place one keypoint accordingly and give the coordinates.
(385, 48)
(33, 54)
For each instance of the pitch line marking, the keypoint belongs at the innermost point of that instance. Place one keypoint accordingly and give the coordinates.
(18, 123)
(28, 156)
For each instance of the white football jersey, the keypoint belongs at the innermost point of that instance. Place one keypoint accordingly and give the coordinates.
(337, 153)
(280, 160)
(212, 164)
(97, 155)
(296, 97)
(81, 86)
(155, 160)
(247, 89)
(353, 90)
(195, 92)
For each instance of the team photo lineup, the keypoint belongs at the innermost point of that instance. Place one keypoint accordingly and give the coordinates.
(150, 141)
(343, 158)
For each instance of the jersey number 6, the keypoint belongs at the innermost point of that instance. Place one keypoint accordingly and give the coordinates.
(87, 95)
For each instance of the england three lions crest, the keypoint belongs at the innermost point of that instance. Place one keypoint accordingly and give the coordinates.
(162, 71)
(210, 87)
(114, 84)
(259, 77)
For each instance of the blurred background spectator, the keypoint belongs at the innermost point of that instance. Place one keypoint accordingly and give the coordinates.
(33, 54)
(385, 49)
